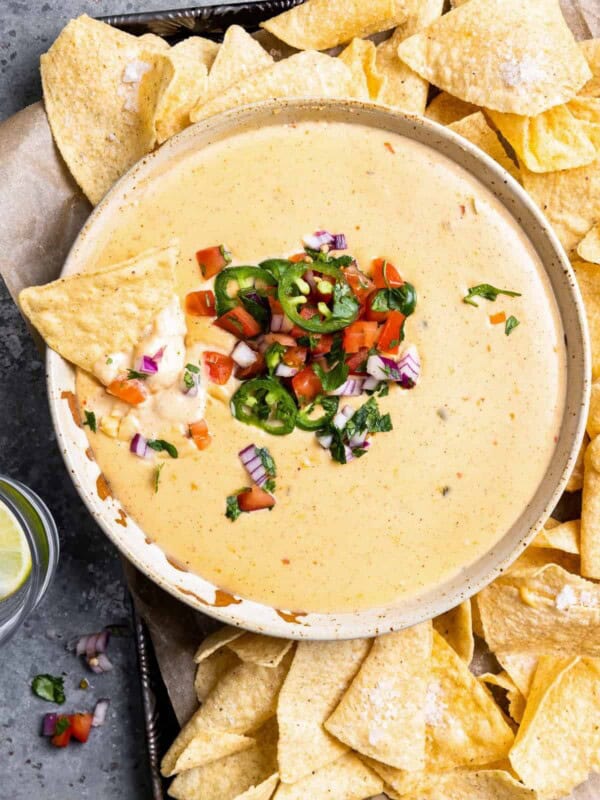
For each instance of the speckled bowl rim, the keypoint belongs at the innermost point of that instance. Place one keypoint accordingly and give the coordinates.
(293, 623)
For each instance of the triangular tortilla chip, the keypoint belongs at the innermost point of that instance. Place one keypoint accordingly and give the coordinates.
(588, 279)
(320, 674)
(535, 558)
(590, 513)
(346, 778)
(472, 785)
(382, 715)
(456, 626)
(589, 247)
(446, 109)
(558, 743)
(87, 316)
(516, 701)
(216, 640)
(264, 651)
(521, 668)
(321, 24)
(575, 482)
(207, 746)
(476, 130)
(302, 75)
(100, 114)
(593, 420)
(240, 55)
(264, 790)
(210, 671)
(591, 51)
(563, 536)
(360, 57)
(522, 60)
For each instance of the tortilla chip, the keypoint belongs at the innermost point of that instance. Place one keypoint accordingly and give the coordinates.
(523, 60)
(589, 247)
(402, 87)
(551, 612)
(569, 198)
(321, 24)
(476, 617)
(521, 668)
(516, 701)
(591, 51)
(215, 641)
(535, 558)
(240, 55)
(558, 743)
(87, 316)
(575, 482)
(359, 57)
(207, 746)
(264, 791)
(210, 671)
(189, 61)
(553, 140)
(382, 715)
(320, 674)
(153, 42)
(446, 109)
(302, 75)
(230, 777)
(346, 778)
(465, 727)
(593, 420)
(265, 651)
(456, 626)
(563, 536)
(590, 512)
(476, 130)
(101, 117)
(588, 279)
(474, 785)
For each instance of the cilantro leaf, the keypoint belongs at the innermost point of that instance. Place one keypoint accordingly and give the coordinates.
(188, 380)
(511, 324)
(337, 349)
(90, 420)
(324, 258)
(267, 461)
(192, 368)
(345, 304)
(400, 298)
(368, 419)
(160, 445)
(49, 687)
(233, 509)
(133, 374)
(488, 292)
(276, 266)
(333, 378)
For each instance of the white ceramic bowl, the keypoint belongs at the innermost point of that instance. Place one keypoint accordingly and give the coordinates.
(203, 595)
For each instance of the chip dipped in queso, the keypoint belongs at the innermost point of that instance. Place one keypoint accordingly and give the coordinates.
(347, 381)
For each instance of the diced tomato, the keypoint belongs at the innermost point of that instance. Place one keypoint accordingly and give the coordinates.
(357, 362)
(257, 368)
(255, 499)
(130, 391)
(299, 257)
(295, 357)
(212, 260)
(323, 345)
(306, 312)
(201, 304)
(281, 338)
(391, 333)
(360, 334)
(385, 274)
(81, 725)
(239, 322)
(374, 316)
(63, 739)
(498, 318)
(361, 284)
(200, 435)
(276, 307)
(306, 385)
(219, 366)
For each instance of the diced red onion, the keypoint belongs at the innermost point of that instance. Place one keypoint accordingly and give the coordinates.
(325, 441)
(370, 384)
(309, 277)
(49, 724)
(100, 663)
(285, 371)
(381, 368)
(100, 711)
(340, 421)
(349, 453)
(147, 365)
(243, 355)
(359, 440)
(337, 241)
(93, 647)
(409, 368)
(159, 354)
(350, 388)
(139, 447)
(253, 464)
(348, 411)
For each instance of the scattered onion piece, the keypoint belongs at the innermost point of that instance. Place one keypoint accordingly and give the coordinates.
(100, 712)
(253, 464)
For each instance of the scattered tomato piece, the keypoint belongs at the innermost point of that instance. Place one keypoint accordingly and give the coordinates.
(324, 343)
(374, 316)
(255, 499)
(81, 725)
(240, 323)
(360, 334)
(299, 257)
(130, 391)
(389, 146)
(200, 435)
(295, 357)
(361, 284)
(306, 385)
(219, 366)
(201, 304)
(385, 274)
(357, 362)
(212, 260)
(391, 333)
(63, 738)
(497, 319)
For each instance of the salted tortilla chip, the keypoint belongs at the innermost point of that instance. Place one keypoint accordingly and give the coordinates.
(210, 671)
(101, 117)
(382, 715)
(477, 626)
(446, 109)
(521, 668)
(302, 75)
(591, 51)
(265, 651)
(575, 482)
(215, 641)
(476, 130)
(569, 198)
(230, 777)
(589, 247)
(456, 626)
(555, 139)
(319, 675)
(558, 743)
(535, 558)
(207, 746)
(153, 42)
(87, 316)
(402, 87)
(360, 58)
(590, 512)
(521, 61)
(593, 420)
(321, 24)
(550, 612)
(588, 279)
(516, 701)
(240, 55)
(562, 536)
(346, 778)
(474, 785)
(465, 727)
(264, 790)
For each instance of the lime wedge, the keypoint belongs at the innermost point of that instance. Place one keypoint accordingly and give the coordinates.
(15, 557)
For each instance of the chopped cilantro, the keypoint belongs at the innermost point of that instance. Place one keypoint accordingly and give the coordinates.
(62, 723)
(233, 510)
(337, 349)
(188, 380)
(324, 258)
(160, 445)
(109, 360)
(49, 687)
(345, 304)
(368, 419)
(333, 378)
(157, 472)
(511, 324)
(90, 420)
(268, 462)
(400, 298)
(133, 374)
(488, 292)
(270, 486)
(311, 340)
(192, 368)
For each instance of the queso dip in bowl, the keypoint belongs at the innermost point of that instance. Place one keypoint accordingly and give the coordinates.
(481, 441)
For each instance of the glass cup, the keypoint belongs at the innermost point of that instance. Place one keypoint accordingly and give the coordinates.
(41, 534)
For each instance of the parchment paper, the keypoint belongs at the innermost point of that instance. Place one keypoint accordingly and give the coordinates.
(42, 210)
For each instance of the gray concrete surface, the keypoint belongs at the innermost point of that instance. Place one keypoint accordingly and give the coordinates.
(89, 591)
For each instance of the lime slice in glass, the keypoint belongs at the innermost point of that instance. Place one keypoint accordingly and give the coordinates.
(15, 557)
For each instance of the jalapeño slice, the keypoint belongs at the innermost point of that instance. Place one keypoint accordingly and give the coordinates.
(293, 293)
(264, 402)
(306, 422)
(243, 285)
